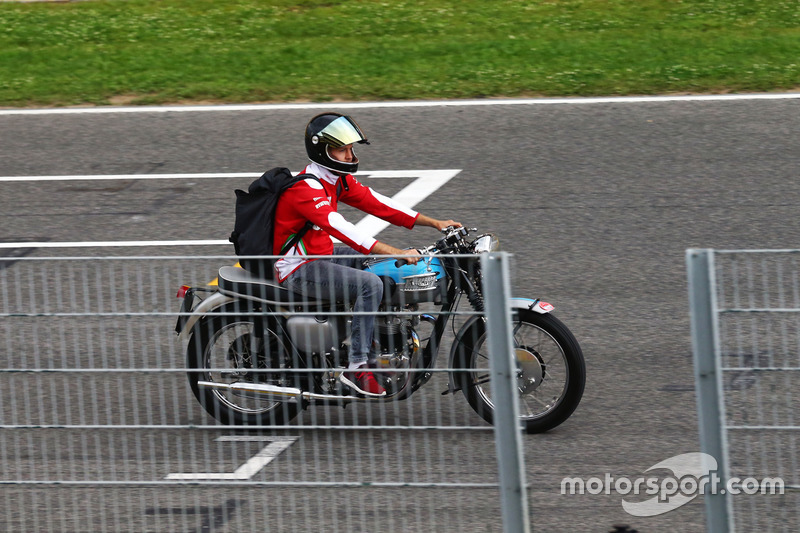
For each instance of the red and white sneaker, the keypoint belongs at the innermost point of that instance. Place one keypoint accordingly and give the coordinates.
(362, 381)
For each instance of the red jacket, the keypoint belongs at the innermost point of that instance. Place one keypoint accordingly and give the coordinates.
(310, 200)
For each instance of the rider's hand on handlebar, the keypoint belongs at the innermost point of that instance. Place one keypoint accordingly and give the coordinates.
(411, 257)
(408, 256)
(442, 225)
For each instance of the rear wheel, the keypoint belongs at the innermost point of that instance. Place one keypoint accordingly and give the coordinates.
(551, 372)
(225, 350)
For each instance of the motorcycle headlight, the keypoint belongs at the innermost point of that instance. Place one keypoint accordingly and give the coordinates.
(486, 243)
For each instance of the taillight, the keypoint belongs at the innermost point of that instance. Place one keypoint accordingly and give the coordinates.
(182, 291)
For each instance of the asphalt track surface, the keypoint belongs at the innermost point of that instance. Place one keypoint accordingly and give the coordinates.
(597, 201)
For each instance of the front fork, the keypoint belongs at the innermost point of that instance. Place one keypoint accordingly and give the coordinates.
(430, 350)
(475, 327)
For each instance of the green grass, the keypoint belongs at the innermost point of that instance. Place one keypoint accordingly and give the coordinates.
(147, 52)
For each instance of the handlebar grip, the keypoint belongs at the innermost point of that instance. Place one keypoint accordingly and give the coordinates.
(401, 262)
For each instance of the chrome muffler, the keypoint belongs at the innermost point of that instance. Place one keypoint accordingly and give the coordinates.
(274, 393)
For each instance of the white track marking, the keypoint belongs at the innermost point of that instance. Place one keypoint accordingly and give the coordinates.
(426, 183)
(126, 177)
(251, 467)
(402, 104)
(108, 244)
(218, 175)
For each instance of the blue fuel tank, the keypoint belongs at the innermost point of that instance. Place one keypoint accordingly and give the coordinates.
(423, 282)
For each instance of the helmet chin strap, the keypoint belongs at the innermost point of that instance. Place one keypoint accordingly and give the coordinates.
(333, 170)
(338, 172)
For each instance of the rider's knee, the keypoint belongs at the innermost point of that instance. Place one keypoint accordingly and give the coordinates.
(374, 285)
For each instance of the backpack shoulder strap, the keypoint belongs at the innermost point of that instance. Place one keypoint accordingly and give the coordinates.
(297, 236)
(304, 175)
(341, 183)
(300, 234)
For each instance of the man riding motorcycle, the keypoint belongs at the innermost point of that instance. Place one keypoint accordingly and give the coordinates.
(329, 140)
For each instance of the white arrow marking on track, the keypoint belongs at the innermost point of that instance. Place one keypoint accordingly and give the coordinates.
(251, 467)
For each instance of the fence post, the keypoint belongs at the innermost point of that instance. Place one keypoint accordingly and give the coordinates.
(503, 370)
(708, 382)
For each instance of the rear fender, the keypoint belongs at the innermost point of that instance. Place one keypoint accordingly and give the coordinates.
(214, 301)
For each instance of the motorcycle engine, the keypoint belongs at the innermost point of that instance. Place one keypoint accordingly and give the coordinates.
(398, 341)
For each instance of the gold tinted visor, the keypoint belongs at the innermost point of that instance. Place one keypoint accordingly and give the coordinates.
(342, 132)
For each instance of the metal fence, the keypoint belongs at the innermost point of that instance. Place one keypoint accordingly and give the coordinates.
(745, 308)
(100, 431)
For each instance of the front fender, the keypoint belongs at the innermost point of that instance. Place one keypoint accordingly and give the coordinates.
(475, 327)
(531, 304)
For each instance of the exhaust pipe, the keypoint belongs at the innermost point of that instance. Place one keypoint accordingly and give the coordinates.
(274, 393)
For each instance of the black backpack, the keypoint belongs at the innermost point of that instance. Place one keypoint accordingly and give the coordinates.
(254, 228)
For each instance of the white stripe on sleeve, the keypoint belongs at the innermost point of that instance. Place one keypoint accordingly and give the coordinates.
(347, 229)
(391, 203)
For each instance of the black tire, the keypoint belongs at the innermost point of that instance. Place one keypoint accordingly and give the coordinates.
(224, 342)
(552, 372)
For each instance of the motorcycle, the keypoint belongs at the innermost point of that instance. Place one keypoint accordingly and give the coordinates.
(258, 353)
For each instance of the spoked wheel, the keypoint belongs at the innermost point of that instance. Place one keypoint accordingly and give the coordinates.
(226, 350)
(551, 372)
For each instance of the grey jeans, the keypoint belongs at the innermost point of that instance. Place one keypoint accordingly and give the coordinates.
(341, 279)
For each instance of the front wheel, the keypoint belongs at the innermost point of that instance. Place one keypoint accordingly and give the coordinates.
(551, 372)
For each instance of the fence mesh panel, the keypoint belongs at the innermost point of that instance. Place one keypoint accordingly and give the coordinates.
(757, 296)
(101, 430)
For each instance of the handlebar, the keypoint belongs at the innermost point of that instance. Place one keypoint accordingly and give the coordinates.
(458, 229)
(452, 235)
(401, 262)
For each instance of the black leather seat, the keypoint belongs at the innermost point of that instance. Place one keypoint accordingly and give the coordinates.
(236, 281)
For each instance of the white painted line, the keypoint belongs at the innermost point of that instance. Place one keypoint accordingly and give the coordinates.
(251, 467)
(426, 183)
(402, 104)
(212, 175)
(108, 244)
(254, 438)
(125, 177)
